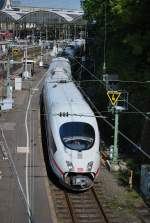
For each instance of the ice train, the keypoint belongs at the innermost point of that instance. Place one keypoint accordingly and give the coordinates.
(71, 129)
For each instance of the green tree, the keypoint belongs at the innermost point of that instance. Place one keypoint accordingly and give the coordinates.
(127, 51)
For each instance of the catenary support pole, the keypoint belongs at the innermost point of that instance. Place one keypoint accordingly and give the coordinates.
(115, 152)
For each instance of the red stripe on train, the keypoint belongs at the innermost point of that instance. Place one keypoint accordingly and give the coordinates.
(57, 166)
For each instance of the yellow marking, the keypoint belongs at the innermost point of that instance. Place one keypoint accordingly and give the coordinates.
(113, 96)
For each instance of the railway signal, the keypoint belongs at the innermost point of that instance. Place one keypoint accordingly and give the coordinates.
(118, 100)
(15, 51)
(113, 96)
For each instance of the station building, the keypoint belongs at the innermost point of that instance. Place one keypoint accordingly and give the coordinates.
(44, 23)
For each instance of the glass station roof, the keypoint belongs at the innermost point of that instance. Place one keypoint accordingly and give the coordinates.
(42, 16)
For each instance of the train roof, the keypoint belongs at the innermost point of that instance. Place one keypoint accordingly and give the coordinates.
(59, 59)
(59, 69)
(67, 98)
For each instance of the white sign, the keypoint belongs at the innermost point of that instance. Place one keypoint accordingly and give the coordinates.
(22, 149)
(3, 48)
(18, 83)
(6, 104)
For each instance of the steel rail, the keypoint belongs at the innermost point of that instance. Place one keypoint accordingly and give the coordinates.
(73, 216)
(99, 204)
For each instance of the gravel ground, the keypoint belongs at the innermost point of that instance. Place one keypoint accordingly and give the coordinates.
(126, 206)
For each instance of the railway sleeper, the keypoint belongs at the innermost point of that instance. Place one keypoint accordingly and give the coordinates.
(60, 203)
(89, 216)
(81, 205)
(87, 209)
(62, 212)
(89, 220)
(82, 201)
(87, 201)
(93, 221)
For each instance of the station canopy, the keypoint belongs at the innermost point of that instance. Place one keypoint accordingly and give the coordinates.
(42, 16)
(79, 20)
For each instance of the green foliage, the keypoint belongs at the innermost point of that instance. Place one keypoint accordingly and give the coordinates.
(128, 49)
(128, 23)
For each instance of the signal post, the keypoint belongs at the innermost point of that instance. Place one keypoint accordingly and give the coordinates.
(115, 98)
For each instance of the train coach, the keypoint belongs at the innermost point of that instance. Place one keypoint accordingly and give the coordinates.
(73, 49)
(71, 129)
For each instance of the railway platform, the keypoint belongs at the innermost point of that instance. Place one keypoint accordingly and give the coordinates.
(23, 178)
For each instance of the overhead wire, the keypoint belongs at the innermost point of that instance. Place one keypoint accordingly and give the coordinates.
(104, 63)
(104, 70)
(111, 125)
(131, 81)
(100, 81)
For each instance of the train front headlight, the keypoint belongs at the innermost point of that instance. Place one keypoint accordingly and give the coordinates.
(89, 166)
(70, 165)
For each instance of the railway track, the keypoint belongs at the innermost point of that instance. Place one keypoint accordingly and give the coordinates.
(82, 207)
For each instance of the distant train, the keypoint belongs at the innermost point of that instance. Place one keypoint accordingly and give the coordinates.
(73, 48)
(71, 129)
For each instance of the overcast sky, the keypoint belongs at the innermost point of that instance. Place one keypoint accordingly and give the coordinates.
(67, 4)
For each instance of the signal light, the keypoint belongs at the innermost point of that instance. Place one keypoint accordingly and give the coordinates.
(63, 114)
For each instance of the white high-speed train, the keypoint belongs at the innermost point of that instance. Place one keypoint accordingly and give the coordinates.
(71, 129)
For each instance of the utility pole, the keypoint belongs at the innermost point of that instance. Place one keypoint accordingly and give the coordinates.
(40, 36)
(117, 99)
(7, 102)
(41, 56)
(33, 37)
(8, 73)
(46, 43)
(116, 109)
(26, 55)
(26, 74)
(75, 31)
(55, 33)
(46, 34)
(115, 147)
(8, 87)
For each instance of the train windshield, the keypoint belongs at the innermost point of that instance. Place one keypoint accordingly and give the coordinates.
(77, 135)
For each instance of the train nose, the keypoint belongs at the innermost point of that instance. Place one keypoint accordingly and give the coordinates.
(81, 180)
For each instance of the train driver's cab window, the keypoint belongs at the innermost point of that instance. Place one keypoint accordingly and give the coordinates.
(77, 135)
